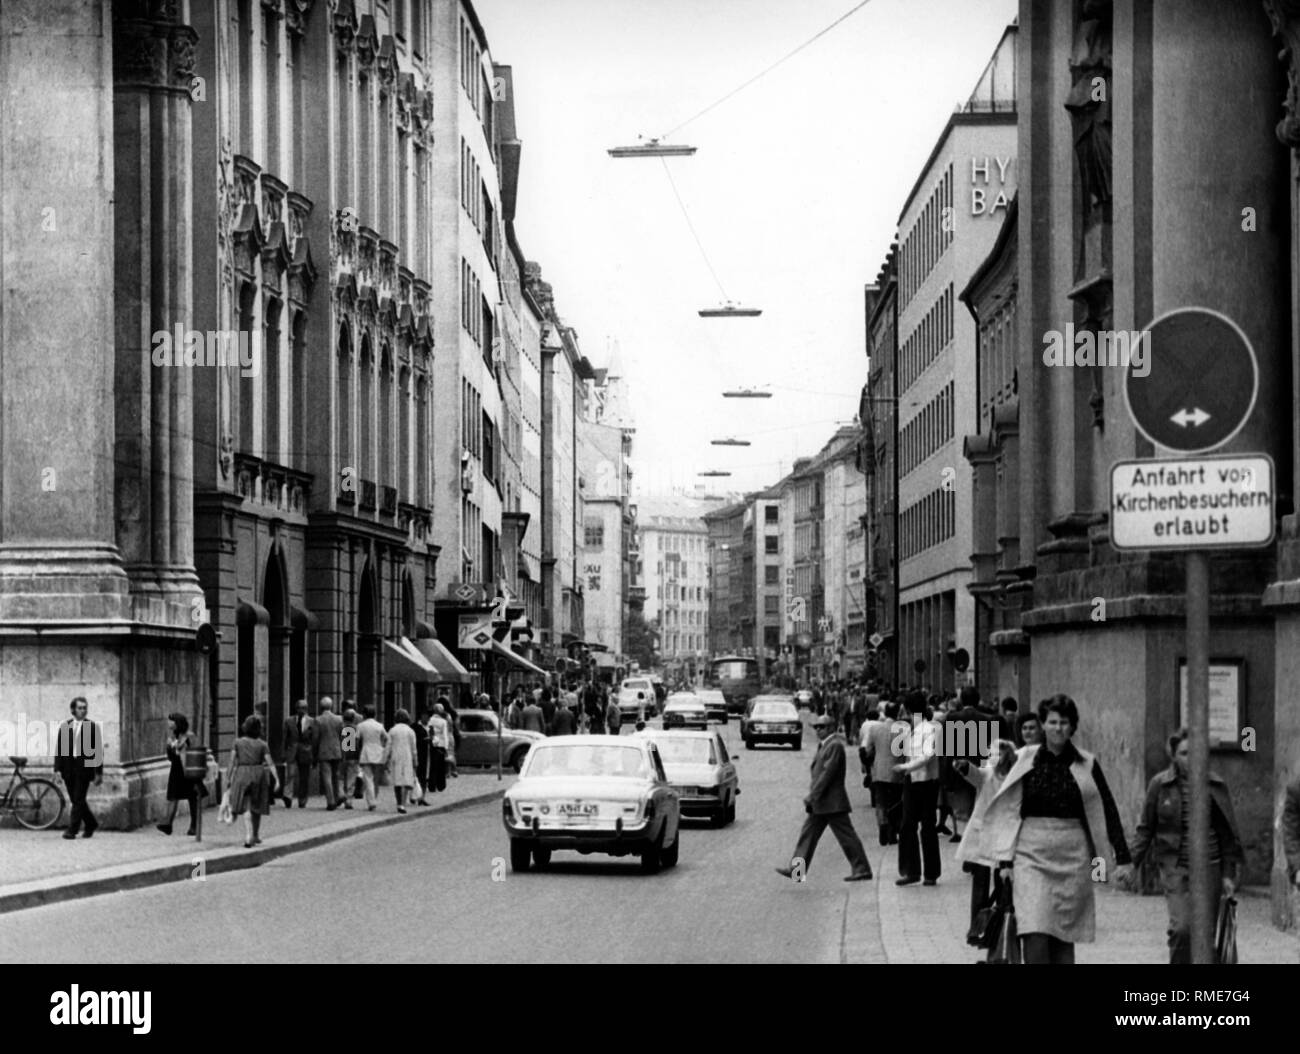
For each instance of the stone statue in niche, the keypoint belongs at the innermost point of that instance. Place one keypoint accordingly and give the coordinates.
(1089, 104)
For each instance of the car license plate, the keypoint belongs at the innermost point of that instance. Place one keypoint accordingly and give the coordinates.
(576, 810)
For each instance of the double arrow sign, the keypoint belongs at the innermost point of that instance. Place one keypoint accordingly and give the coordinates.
(1194, 418)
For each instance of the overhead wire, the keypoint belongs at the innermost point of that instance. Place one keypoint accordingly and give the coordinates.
(687, 216)
(769, 69)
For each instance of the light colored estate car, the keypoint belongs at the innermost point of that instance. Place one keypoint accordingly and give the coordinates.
(636, 699)
(593, 794)
(701, 772)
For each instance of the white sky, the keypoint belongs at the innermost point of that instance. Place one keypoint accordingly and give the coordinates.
(795, 193)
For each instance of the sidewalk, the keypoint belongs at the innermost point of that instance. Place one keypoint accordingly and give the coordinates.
(927, 924)
(41, 867)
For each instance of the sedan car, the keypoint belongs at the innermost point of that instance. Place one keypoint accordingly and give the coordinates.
(803, 699)
(684, 710)
(715, 705)
(478, 741)
(772, 719)
(636, 699)
(701, 772)
(593, 794)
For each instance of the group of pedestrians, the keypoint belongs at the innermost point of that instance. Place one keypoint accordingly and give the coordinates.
(570, 709)
(349, 755)
(1041, 824)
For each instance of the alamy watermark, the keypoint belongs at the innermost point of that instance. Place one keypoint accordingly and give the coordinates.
(1102, 347)
(215, 347)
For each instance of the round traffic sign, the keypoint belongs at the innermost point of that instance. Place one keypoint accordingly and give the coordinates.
(1199, 382)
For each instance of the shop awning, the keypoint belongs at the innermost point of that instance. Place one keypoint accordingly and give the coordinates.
(448, 668)
(508, 653)
(403, 662)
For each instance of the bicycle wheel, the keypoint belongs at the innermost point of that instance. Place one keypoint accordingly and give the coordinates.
(37, 804)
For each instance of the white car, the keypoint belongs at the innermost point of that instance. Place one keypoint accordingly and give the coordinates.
(593, 794)
(684, 710)
(701, 772)
(636, 699)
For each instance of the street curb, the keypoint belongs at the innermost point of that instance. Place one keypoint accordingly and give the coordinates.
(122, 877)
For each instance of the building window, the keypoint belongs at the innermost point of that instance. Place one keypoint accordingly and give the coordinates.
(770, 544)
(593, 535)
(770, 514)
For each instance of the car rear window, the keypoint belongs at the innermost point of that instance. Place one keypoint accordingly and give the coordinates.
(772, 710)
(636, 686)
(555, 761)
(687, 751)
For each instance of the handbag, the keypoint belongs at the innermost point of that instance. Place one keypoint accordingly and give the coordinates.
(1006, 946)
(985, 927)
(1225, 943)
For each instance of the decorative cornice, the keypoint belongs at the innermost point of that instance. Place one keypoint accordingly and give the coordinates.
(152, 51)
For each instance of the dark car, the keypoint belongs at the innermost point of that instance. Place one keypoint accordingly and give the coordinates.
(772, 719)
(715, 705)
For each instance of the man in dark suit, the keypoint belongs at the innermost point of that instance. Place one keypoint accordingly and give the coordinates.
(827, 805)
(327, 751)
(79, 761)
(297, 746)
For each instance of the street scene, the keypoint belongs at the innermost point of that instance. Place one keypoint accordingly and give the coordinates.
(650, 481)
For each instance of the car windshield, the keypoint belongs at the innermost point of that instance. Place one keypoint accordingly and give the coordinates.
(771, 710)
(636, 686)
(691, 751)
(685, 704)
(550, 761)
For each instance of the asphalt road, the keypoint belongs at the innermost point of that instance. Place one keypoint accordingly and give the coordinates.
(441, 890)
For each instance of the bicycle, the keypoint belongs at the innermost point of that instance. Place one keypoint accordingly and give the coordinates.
(35, 802)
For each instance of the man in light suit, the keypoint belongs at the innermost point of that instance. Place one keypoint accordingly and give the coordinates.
(327, 751)
(372, 741)
(827, 805)
(878, 760)
(296, 744)
(79, 761)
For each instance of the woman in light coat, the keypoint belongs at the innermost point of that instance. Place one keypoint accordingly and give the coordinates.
(986, 779)
(1048, 825)
(403, 758)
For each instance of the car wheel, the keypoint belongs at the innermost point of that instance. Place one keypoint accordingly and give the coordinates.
(797, 743)
(719, 818)
(668, 857)
(731, 811)
(651, 856)
(541, 857)
(749, 743)
(521, 854)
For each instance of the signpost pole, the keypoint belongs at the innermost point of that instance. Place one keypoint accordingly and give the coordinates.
(1198, 724)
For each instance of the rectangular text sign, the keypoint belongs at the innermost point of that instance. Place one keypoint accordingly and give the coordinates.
(1217, 502)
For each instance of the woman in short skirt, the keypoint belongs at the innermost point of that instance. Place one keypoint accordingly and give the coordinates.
(179, 786)
(251, 779)
(1047, 824)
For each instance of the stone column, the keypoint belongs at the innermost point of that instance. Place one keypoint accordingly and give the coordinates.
(58, 561)
(153, 71)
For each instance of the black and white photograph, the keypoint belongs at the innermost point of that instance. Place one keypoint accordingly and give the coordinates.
(509, 481)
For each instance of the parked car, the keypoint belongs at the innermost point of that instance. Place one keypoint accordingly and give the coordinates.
(636, 699)
(701, 772)
(593, 794)
(715, 704)
(684, 710)
(478, 741)
(772, 719)
(803, 698)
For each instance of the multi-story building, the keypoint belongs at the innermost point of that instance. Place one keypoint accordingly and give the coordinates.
(675, 553)
(946, 227)
(993, 452)
(563, 373)
(603, 547)
(878, 460)
(725, 528)
(841, 632)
